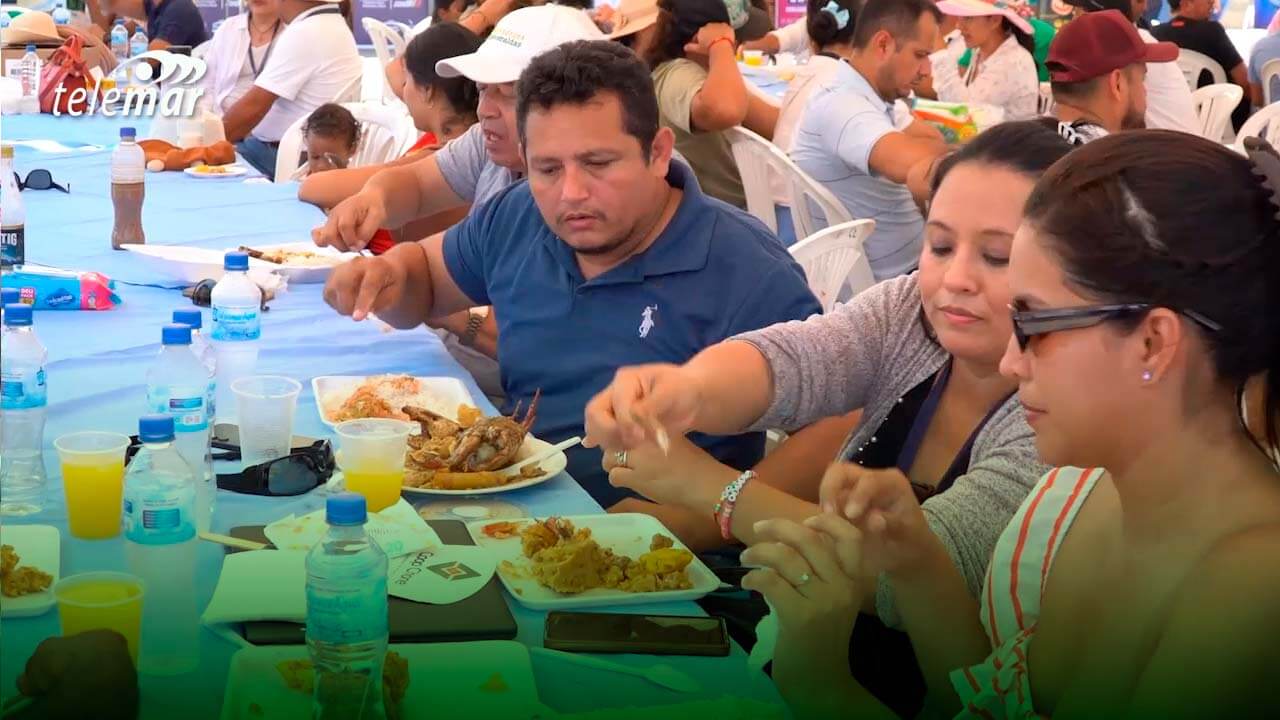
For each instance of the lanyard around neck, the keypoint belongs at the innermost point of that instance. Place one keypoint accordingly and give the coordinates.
(275, 33)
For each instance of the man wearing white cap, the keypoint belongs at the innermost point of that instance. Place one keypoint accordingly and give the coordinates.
(314, 62)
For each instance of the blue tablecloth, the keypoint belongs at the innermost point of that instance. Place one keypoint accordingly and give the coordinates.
(98, 360)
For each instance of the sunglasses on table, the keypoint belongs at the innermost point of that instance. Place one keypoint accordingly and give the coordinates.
(301, 471)
(1028, 324)
(39, 179)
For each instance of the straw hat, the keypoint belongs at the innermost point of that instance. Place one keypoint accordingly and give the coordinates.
(31, 27)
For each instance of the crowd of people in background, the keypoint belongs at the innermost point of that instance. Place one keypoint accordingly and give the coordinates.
(1051, 423)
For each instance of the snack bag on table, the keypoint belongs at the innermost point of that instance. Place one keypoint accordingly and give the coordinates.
(953, 120)
(46, 288)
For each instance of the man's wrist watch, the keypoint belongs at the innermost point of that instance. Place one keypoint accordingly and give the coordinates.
(475, 318)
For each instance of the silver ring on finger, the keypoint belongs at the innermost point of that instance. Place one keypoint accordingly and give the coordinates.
(620, 458)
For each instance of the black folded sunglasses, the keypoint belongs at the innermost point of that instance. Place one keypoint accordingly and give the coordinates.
(301, 471)
(39, 179)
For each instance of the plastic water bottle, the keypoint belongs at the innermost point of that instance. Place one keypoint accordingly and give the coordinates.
(61, 15)
(120, 40)
(23, 398)
(347, 615)
(237, 304)
(29, 76)
(160, 546)
(178, 386)
(128, 189)
(200, 345)
(138, 42)
(13, 216)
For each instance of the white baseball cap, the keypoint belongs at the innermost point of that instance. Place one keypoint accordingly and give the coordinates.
(517, 39)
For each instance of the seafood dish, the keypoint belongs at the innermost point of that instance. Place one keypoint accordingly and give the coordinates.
(282, 256)
(381, 396)
(467, 453)
(300, 675)
(17, 580)
(569, 560)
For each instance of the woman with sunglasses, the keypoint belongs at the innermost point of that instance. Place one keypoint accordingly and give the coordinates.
(920, 354)
(1149, 589)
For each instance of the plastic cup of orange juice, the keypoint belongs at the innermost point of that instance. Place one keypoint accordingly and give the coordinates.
(372, 459)
(93, 482)
(102, 601)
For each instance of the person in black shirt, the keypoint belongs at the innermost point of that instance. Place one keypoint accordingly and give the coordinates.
(169, 22)
(1191, 28)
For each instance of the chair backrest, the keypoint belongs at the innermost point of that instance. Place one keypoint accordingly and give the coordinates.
(387, 45)
(1193, 63)
(758, 160)
(1270, 75)
(1263, 124)
(1214, 105)
(834, 256)
(382, 138)
(1044, 105)
(402, 29)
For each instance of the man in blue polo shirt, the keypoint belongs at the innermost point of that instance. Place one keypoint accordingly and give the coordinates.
(608, 255)
(169, 22)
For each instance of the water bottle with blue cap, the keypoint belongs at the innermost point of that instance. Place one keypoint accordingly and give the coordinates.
(237, 307)
(347, 631)
(178, 386)
(23, 401)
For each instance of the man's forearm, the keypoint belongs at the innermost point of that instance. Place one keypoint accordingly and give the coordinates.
(401, 193)
(415, 304)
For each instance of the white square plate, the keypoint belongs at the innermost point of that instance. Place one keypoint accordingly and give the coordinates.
(446, 680)
(37, 546)
(625, 533)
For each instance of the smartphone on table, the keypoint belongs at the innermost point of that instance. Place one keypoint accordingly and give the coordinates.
(643, 634)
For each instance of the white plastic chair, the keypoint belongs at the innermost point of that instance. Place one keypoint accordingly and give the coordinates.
(1270, 74)
(1263, 124)
(387, 45)
(382, 139)
(418, 27)
(1214, 105)
(1192, 63)
(401, 29)
(833, 256)
(1045, 104)
(758, 160)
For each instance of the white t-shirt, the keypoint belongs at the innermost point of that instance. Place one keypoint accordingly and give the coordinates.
(1169, 105)
(1007, 80)
(314, 61)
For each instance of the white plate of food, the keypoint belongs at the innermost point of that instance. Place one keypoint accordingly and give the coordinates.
(301, 262)
(29, 565)
(216, 171)
(187, 265)
(488, 679)
(578, 562)
(348, 397)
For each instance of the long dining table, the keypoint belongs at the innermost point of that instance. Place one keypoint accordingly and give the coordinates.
(96, 378)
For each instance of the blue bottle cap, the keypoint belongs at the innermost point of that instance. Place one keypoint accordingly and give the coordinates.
(189, 316)
(345, 509)
(128, 132)
(176, 334)
(155, 428)
(236, 260)
(31, 48)
(10, 295)
(17, 314)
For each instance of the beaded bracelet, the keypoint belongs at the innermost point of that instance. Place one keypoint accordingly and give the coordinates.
(729, 500)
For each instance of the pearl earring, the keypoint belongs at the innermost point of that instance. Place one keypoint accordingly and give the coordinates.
(1146, 376)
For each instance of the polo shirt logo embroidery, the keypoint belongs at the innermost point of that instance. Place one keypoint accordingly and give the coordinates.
(646, 320)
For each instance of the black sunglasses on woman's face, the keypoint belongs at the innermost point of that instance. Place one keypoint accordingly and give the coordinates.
(39, 179)
(1032, 323)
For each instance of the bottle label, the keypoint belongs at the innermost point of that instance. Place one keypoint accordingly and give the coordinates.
(186, 405)
(236, 323)
(23, 391)
(160, 516)
(13, 246)
(357, 615)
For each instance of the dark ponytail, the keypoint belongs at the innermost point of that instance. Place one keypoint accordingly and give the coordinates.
(1118, 216)
(1026, 40)
(824, 26)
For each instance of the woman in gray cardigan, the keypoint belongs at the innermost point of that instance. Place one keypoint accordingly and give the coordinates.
(919, 354)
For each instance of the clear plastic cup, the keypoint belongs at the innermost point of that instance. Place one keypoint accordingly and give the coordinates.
(265, 405)
(102, 601)
(93, 482)
(372, 459)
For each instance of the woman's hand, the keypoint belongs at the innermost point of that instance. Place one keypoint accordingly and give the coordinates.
(643, 403)
(803, 577)
(685, 475)
(895, 536)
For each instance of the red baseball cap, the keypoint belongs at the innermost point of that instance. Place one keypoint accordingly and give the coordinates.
(1096, 43)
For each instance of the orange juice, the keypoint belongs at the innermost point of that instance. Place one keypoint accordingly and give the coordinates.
(110, 601)
(94, 498)
(380, 488)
